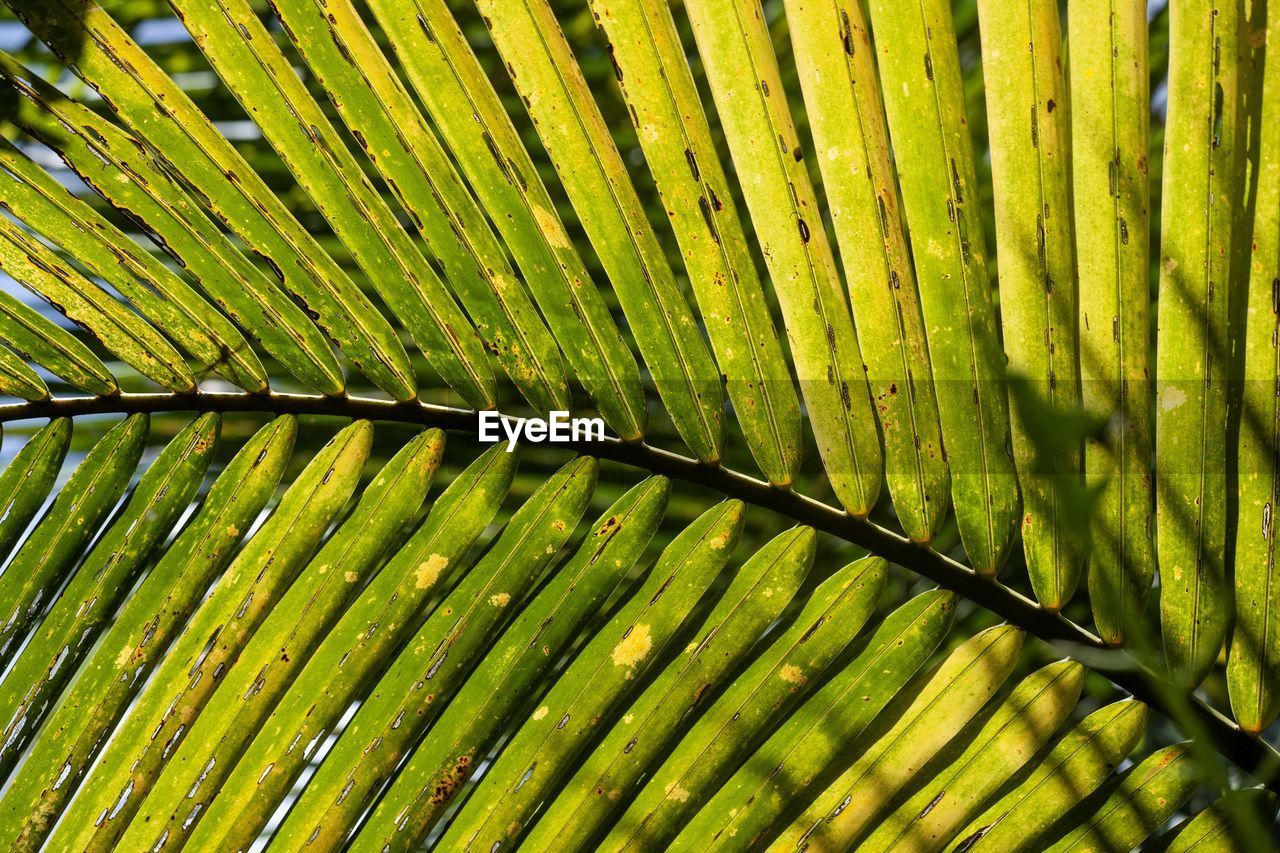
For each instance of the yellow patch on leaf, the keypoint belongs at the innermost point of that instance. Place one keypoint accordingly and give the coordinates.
(677, 793)
(794, 674)
(634, 647)
(429, 572)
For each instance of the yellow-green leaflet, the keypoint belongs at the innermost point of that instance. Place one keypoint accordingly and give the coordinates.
(1027, 118)
(1148, 795)
(610, 774)
(38, 340)
(18, 379)
(155, 108)
(437, 770)
(1199, 195)
(225, 621)
(55, 545)
(1078, 763)
(387, 125)
(436, 661)
(595, 686)
(123, 333)
(650, 65)
(947, 699)
(282, 644)
(778, 776)
(747, 85)
(559, 103)
(237, 44)
(101, 692)
(28, 479)
(355, 651)
(1009, 739)
(1110, 103)
(924, 102)
(1253, 663)
(466, 111)
(757, 700)
(36, 198)
(1239, 820)
(66, 633)
(122, 170)
(842, 92)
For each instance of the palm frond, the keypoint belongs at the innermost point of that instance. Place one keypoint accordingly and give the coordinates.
(258, 587)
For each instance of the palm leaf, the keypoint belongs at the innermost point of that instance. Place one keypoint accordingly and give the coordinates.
(345, 625)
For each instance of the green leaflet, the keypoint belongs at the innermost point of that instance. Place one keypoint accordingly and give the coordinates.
(225, 621)
(281, 646)
(355, 652)
(612, 772)
(247, 59)
(1253, 664)
(1027, 118)
(387, 125)
(747, 86)
(651, 69)
(1148, 795)
(1024, 721)
(546, 74)
(36, 339)
(1191, 338)
(924, 101)
(436, 661)
(469, 116)
(155, 108)
(28, 479)
(55, 545)
(595, 686)
(122, 170)
(1111, 101)
(18, 379)
(36, 198)
(749, 707)
(123, 333)
(950, 697)
(1239, 820)
(66, 634)
(512, 670)
(841, 89)
(1077, 764)
(131, 647)
(772, 782)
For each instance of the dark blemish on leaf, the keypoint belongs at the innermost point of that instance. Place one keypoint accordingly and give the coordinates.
(617, 69)
(706, 215)
(426, 29)
(1217, 112)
